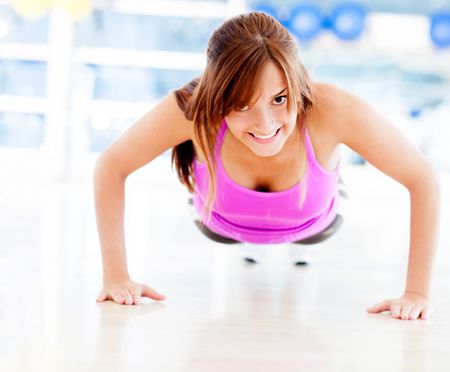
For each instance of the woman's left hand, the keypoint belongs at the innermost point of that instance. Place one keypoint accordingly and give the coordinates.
(410, 306)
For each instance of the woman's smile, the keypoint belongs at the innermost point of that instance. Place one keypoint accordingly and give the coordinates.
(265, 138)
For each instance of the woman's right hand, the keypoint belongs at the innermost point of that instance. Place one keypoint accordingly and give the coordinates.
(127, 293)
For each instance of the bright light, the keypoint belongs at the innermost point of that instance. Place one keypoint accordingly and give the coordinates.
(399, 32)
(100, 122)
(4, 28)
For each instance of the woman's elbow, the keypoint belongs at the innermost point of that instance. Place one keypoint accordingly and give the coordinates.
(106, 169)
(429, 180)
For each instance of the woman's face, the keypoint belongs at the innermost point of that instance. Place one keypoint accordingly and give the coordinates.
(265, 125)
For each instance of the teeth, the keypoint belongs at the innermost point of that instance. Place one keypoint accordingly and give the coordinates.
(266, 137)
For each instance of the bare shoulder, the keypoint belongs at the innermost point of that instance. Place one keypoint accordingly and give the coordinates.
(163, 127)
(334, 120)
(327, 106)
(326, 94)
(334, 109)
(324, 121)
(323, 124)
(353, 121)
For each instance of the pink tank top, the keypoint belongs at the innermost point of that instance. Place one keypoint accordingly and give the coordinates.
(260, 217)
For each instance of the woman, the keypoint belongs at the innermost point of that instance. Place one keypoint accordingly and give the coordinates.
(257, 143)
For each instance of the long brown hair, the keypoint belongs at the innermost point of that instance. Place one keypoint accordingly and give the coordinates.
(236, 54)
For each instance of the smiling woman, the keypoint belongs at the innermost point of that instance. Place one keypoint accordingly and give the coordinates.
(267, 119)
(262, 65)
(257, 144)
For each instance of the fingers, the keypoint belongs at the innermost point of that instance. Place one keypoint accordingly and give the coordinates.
(426, 313)
(123, 297)
(410, 312)
(378, 308)
(102, 296)
(136, 296)
(130, 296)
(119, 297)
(151, 293)
(396, 311)
(415, 312)
(405, 311)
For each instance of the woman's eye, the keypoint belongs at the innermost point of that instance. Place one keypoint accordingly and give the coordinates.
(242, 108)
(280, 100)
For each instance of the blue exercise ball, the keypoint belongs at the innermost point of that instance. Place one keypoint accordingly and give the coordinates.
(305, 21)
(440, 29)
(347, 21)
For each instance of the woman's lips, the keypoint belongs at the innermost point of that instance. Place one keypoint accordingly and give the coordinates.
(265, 139)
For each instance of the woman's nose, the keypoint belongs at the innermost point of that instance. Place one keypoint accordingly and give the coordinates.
(264, 122)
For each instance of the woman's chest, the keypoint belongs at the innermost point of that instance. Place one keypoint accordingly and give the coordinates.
(276, 173)
(282, 173)
(262, 175)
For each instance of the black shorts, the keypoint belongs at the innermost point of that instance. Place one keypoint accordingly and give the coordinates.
(317, 238)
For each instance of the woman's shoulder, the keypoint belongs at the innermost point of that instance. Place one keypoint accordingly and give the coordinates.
(328, 98)
(324, 113)
(322, 122)
(332, 107)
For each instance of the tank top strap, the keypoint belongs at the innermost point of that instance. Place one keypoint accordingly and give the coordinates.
(308, 144)
(220, 138)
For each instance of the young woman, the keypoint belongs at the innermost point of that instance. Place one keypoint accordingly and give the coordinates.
(257, 144)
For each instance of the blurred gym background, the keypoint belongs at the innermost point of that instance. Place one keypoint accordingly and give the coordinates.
(74, 74)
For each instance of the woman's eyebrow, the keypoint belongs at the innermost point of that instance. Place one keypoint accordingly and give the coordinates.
(279, 93)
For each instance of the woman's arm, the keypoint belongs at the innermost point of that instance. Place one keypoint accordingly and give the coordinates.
(109, 190)
(371, 135)
(162, 128)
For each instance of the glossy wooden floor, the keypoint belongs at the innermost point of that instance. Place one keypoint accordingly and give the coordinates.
(220, 314)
